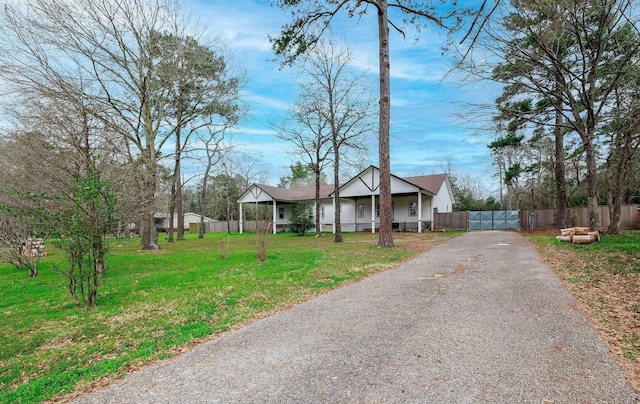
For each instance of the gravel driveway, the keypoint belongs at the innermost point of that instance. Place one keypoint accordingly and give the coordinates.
(477, 319)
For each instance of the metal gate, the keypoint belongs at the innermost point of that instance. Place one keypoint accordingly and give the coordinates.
(494, 220)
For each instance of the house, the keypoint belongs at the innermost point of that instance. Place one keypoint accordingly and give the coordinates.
(162, 220)
(414, 200)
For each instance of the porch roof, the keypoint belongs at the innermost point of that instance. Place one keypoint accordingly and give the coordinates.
(263, 193)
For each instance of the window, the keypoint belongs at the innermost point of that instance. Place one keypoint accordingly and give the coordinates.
(392, 210)
(322, 212)
(360, 210)
(281, 213)
(413, 208)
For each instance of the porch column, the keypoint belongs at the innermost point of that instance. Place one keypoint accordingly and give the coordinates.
(373, 213)
(275, 211)
(419, 212)
(333, 224)
(240, 217)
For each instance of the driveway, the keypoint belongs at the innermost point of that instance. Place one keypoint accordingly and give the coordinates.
(477, 319)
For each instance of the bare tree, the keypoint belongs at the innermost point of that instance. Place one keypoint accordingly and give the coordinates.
(17, 245)
(129, 52)
(347, 109)
(332, 115)
(312, 18)
(235, 172)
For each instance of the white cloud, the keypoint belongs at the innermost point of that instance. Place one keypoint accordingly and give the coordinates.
(244, 23)
(426, 122)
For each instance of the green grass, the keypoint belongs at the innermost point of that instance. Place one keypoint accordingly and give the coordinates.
(613, 253)
(153, 305)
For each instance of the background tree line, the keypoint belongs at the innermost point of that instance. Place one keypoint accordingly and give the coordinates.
(566, 123)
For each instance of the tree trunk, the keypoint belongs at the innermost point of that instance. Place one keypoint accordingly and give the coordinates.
(618, 185)
(561, 183)
(177, 180)
(148, 231)
(203, 195)
(385, 237)
(592, 190)
(316, 171)
(98, 253)
(179, 211)
(336, 192)
(172, 211)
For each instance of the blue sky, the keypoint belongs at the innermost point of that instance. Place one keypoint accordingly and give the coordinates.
(427, 128)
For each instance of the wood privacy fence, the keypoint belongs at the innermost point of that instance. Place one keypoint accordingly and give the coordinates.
(539, 219)
(233, 226)
(451, 221)
(543, 219)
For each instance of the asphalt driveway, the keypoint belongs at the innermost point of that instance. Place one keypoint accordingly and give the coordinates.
(477, 319)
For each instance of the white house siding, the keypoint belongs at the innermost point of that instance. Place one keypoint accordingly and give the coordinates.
(190, 218)
(286, 209)
(347, 217)
(442, 200)
(351, 220)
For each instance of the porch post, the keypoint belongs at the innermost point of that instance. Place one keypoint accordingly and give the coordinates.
(419, 212)
(274, 216)
(333, 224)
(373, 213)
(240, 217)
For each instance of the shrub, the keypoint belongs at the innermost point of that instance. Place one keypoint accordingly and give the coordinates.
(302, 219)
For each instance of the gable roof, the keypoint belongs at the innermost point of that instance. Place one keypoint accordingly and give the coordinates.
(369, 177)
(291, 194)
(431, 183)
(427, 184)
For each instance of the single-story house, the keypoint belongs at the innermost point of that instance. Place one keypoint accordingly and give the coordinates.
(414, 200)
(162, 220)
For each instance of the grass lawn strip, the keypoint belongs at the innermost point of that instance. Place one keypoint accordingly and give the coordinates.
(154, 305)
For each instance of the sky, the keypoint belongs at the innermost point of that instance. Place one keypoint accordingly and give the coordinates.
(432, 124)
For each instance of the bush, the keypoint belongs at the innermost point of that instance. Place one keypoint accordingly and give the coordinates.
(302, 219)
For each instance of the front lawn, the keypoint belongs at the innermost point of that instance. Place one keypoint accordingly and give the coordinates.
(153, 305)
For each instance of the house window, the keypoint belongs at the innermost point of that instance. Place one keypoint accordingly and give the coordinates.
(322, 212)
(360, 210)
(378, 210)
(281, 213)
(413, 208)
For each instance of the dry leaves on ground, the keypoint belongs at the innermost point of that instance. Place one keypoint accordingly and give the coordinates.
(607, 294)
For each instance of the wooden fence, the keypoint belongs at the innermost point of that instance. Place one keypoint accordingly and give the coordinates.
(543, 219)
(450, 221)
(233, 226)
(540, 219)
